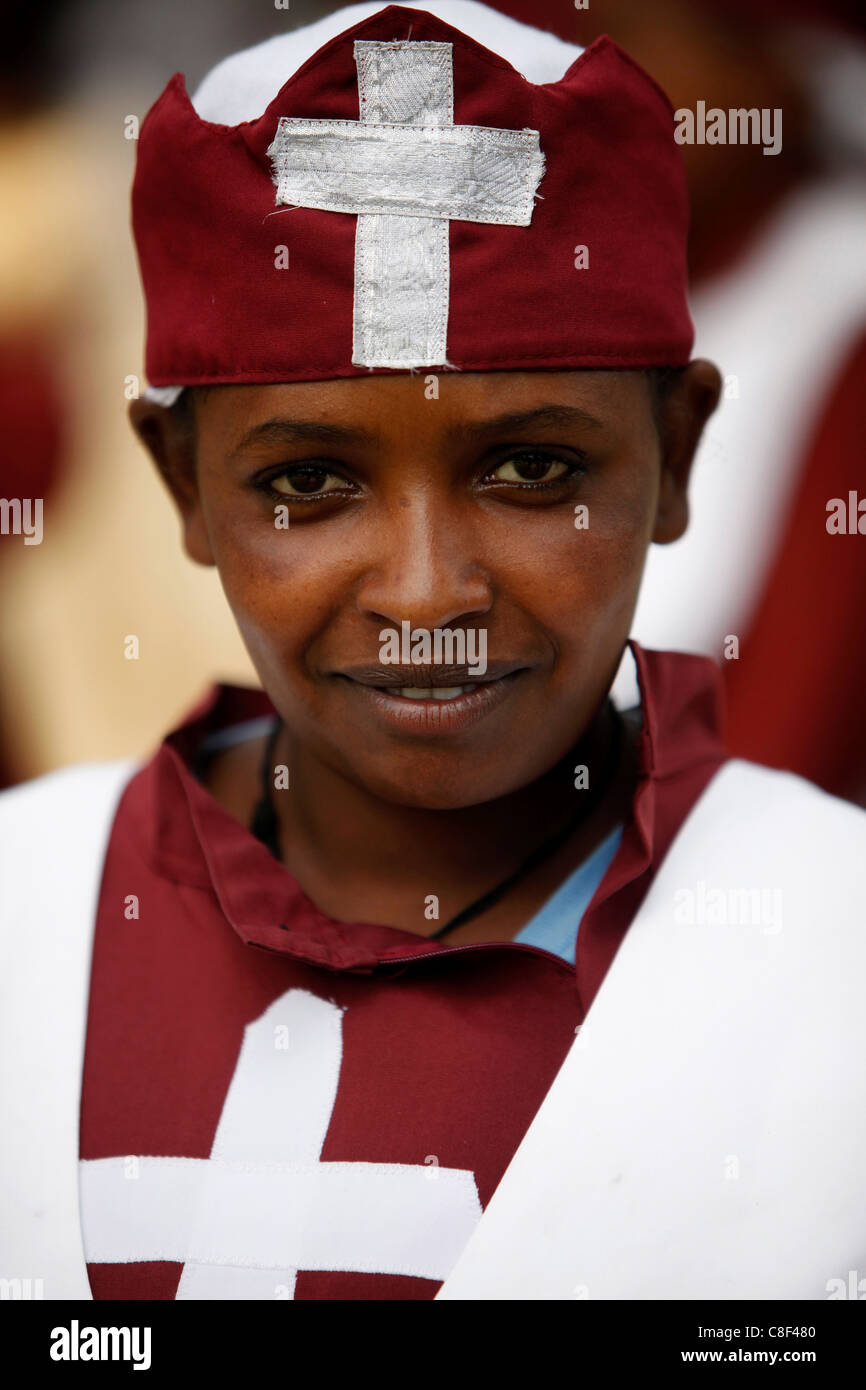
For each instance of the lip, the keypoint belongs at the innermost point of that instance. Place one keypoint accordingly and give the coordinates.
(427, 676)
(432, 717)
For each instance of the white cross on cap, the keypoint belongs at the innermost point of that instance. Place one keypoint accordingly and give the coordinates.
(406, 170)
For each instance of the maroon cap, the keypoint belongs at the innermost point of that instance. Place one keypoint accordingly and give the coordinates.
(409, 202)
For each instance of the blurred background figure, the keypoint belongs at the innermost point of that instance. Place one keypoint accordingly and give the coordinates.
(36, 278)
(75, 79)
(779, 302)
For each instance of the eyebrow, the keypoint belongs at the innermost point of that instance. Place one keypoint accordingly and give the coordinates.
(288, 431)
(539, 415)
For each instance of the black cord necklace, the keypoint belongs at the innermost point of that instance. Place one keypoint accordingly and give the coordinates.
(265, 824)
(548, 848)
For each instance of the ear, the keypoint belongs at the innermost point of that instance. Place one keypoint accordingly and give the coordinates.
(169, 438)
(682, 416)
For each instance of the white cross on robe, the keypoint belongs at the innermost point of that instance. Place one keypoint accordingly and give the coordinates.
(405, 170)
(263, 1206)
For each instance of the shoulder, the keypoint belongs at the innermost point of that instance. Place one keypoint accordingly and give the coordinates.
(54, 831)
(88, 786)
(758, 830)
(783, 804)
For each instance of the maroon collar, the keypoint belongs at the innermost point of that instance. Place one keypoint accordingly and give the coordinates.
(192, 840)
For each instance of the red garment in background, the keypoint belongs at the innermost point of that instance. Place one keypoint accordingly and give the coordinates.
(795, 696)
(31, 456)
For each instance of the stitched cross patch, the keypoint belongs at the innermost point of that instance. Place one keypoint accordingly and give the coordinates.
(405, 170)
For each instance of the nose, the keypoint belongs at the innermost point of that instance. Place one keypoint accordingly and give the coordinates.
(425, 567)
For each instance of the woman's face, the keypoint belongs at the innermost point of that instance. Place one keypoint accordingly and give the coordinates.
(511, 508)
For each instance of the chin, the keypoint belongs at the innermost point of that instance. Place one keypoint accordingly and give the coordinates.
(437, 788)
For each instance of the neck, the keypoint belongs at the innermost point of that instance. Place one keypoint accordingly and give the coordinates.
(350, 849)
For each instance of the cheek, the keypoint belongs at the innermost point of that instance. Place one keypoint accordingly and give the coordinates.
(282, 583)
(578, 568)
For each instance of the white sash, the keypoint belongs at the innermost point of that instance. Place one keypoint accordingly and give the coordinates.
(704, 1138)
(53, 835)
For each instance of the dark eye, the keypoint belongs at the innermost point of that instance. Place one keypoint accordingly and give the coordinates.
(532, 467)
(306, 481)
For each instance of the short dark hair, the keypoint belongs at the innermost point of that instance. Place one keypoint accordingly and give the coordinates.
(183, 410)
(662, 381)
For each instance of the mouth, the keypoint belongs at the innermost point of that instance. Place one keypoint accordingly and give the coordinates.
(409, 701)
(433, 692)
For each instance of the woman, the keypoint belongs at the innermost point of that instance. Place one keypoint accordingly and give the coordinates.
(348, 926)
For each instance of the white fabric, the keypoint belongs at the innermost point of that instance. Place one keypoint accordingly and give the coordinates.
(402, 282)
(162, 395)
(403, 266)
(414, 173)
(237, 733)
(53, 834)
(405, 169)
(625, 690)
(242, 86)
(217, 1215)
(782, 321)
(706, 1135)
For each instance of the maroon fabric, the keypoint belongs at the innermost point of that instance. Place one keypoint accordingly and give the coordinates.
(32, 462)
(450, 1052)
(806, 634)
(220, 311)
(566, 21)
(33, 414)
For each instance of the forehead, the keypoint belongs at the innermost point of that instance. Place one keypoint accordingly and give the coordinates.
(434, 402)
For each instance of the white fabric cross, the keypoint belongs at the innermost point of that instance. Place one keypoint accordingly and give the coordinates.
(263, 1206)
(405, 170)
